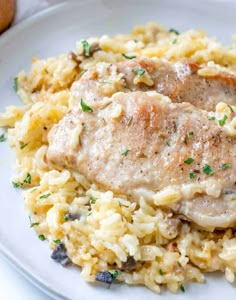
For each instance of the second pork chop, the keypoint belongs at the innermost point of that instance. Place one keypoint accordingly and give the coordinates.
(179, 81)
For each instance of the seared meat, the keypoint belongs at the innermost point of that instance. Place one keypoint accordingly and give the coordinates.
(140, 144)
(179, 81)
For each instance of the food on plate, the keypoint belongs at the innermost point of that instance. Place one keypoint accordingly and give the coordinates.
(203, 87)
(7, 13)
(139, 144)
(125, 149)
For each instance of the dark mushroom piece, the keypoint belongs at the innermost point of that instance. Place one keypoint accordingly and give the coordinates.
(60, 255)
(107, 276)
(129, 265)
(72, 216)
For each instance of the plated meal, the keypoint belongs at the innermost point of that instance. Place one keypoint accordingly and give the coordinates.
(125, 151)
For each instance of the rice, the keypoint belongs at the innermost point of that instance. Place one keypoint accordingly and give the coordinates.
(111, 228)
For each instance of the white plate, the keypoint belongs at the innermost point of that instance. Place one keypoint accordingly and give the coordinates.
(48, 34)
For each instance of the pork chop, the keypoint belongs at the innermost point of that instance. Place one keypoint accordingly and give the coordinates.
(142, 143)
(179, 81)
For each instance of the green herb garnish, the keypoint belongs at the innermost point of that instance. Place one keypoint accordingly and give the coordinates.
(181, 287)
(190, 133)
(86, 47)
(222, 121)
(225, 166)
(128, 56)
(161, 272)
(2, 138)
(85, 107)
(66, 217)
(58, 242)
(207, 170)
(174, 30)
(23, 146)
(179, 264)
(212, 118)
(168, 143)
(45, 196)
(42, 237)
(230, 107)
(114, 273)
(17, 184)
(28, 178)
(15, 85)
(33, 224)
(139, 72)
(174, 41)
(192, 175)
(82, 72)
(92, 200)
(125, 152)
(33, 190)
(189, 160)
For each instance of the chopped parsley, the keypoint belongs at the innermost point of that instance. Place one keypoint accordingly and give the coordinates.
(225, 166)
(125, 152)
(2, 138)
(189, 160)
(161, 272)
(192, 175)
(207, 170)
(222, 121)
(89, 214)
(82, 72)
(230, 107)
(139, 72)
(92, 200)
(174, 41)
(58, 242)
(212, 118)
(190, 133)
(28, 178)
(33, 224)
(42, 237)
(66, 217)
(45, 196)
(174, 30)
(85, 107)
(15, 85)
(128, 56)
(17, 184)
(33, 190)
(181, 287)
(168, 143)
(114, 273)
(23, 146)
(86, 47)
(179, 264)
(20, 184)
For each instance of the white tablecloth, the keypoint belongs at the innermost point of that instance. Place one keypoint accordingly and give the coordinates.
(12, 285)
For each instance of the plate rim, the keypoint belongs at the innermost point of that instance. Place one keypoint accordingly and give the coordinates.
(8, 255)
